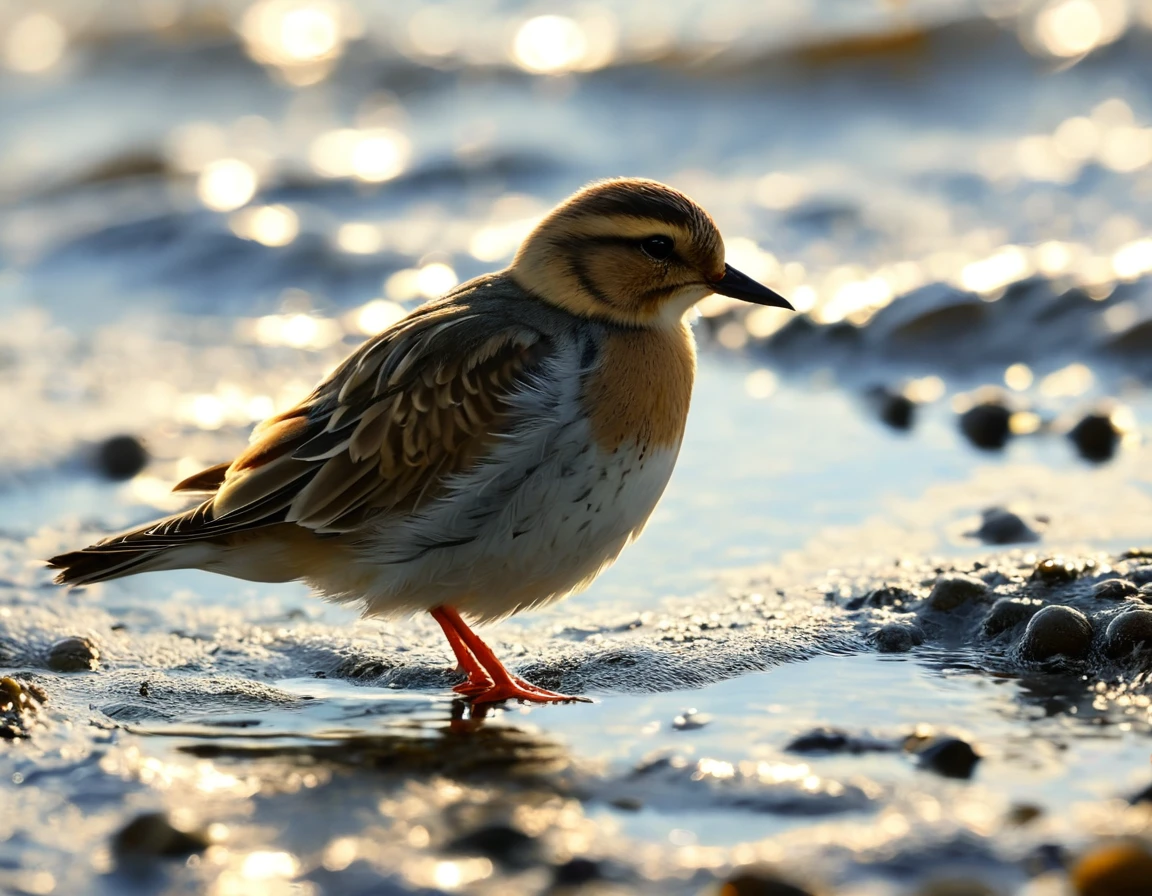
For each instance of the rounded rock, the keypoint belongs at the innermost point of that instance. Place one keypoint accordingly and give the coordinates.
(1000, 526)
(121, 457)
(153, 835)
(1055, 571)
(987, 425)
(897, 638)
(953, 591)
(1131, 630)
(1007, 613)
(947, 756)
(1117, 869)
(1056, 631)
(576, 872)
(73, 655)
(1114, 589)
(760, 881)
(1096, 437)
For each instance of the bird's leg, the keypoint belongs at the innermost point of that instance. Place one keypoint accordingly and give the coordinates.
(478, 680)
(503, 685)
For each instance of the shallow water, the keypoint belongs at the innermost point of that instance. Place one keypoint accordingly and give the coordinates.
(205, 210)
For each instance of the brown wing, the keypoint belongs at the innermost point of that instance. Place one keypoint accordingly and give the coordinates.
(418, 403)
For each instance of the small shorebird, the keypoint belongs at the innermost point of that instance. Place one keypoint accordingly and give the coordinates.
(491, 452)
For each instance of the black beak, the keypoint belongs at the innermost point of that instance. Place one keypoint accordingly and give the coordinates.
(741, 286)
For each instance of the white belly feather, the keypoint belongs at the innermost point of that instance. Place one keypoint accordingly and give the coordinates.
(539, 518)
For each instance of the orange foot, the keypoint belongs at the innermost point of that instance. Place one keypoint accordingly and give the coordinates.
(488, 681)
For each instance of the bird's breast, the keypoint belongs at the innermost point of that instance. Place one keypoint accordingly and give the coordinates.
(640, 390)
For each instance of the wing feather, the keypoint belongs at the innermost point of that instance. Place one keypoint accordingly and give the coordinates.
(416, 405)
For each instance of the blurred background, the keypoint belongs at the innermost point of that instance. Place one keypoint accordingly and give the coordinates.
(206, 204)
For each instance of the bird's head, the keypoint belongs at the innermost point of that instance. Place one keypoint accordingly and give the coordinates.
(634, 252)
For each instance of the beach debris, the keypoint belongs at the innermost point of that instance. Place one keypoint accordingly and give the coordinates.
(19, 703)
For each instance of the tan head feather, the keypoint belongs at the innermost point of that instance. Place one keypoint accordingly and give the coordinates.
(632, 251)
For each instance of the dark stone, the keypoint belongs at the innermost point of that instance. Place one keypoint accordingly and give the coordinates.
(761, 882)
(576, 872)
(890, 596)
(152, 835)
(1055, 571)
(1114, 869)
(1141, 575)
(1000, 526)
(121, 457)
(1007, 613)
(1131, 630)
(987, 425)
(833, 740)
(690, 720)
(502, 843)
(947, 756)
(953, 591)
(1115, 589)
(73, 655)
(1096, 437)
(893, 407)
(1142, 796)
(1056, 631)
(896, 637)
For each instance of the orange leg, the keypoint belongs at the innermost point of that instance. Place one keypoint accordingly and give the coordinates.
(497, 683)
(478, 680)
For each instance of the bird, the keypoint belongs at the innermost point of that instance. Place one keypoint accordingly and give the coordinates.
(490, 453)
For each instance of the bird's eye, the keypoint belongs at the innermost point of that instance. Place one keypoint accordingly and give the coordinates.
(657, 247)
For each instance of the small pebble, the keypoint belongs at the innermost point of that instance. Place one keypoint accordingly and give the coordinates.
(897, 638)
(153, 835)
(893, 407)
(956, 887)
(986, 425)
(1055, 571)
(1056, 631)
(1096, 437)
(886, 596)
(576, 872)
(121, 457)
(947, 756)
(1131, 630)
(1001, 526)
(1114, 589)
(761, 882)
(952, 591)
(690, 720)
(502, 843)
(73, 655)
(1007, 613)
(1116, 869)
(833, 740)
(1021, 814)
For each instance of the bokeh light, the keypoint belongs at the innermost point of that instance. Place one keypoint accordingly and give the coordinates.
(34, 43)
(227, 184)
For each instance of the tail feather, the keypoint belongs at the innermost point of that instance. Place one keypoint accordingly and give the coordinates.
(98, 564)
(137, 550)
